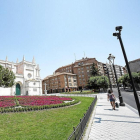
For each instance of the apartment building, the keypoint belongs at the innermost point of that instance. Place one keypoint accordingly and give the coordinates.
(82, 68)
(119, 72)
(79, 72)
(135, 65)
(59, 82)
(67, 68)
(100, 66)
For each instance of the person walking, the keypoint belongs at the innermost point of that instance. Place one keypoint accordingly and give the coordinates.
(112, 98)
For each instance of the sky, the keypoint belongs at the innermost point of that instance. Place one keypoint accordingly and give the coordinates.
(56, 32)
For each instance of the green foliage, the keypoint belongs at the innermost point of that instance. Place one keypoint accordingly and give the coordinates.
(97, 82)
(125, 79)
(7, 77)
(94, 70)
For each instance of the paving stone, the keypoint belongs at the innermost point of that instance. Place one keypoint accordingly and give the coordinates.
(119, 124)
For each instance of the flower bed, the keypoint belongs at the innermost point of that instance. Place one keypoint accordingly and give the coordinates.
(31, 103)
(11, 101)
(7, 101)
(40, 100)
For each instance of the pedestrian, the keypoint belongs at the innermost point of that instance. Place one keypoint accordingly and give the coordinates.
(112, 98)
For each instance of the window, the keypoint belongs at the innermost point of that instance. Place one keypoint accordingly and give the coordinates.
(79, 75)
(78, 68)
(83, 79)
(87, 67)
(70, 84)
(75, 84)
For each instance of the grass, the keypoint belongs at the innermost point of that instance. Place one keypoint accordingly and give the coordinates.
(51, 124)
(79, 92)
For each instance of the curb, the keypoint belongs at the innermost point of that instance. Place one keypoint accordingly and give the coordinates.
(132, 109)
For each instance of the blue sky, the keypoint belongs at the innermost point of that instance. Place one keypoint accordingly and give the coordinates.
(54, 30)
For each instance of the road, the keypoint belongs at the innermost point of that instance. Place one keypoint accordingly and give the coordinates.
(128, 97)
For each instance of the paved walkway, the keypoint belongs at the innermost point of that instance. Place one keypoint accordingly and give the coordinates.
(108, 124)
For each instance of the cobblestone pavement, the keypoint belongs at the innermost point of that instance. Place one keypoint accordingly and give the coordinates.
(108, 124)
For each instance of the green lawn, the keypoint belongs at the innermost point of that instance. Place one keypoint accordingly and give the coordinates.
(51, 124)
(79, 92)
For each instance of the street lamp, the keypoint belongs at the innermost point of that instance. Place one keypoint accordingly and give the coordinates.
(111, 60)
(109, 78)
(118, 34)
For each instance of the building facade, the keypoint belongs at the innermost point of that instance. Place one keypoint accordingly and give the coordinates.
(82, 68)
(27, 82)
(59, 82)
(120, 71)
(135, 65)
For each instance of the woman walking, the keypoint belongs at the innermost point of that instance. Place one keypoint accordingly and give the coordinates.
(112, 98)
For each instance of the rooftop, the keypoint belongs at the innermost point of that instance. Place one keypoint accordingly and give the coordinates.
(56, 74)
(134, 60)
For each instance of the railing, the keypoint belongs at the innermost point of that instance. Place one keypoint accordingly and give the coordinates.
(78, 131)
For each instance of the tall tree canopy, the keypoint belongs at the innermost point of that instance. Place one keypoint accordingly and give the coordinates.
(97, 82)
(94, 70)
(125, 79)
(7, 77)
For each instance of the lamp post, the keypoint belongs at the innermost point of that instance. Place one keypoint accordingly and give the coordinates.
(118, 34)
(109, 78)
(111, 60)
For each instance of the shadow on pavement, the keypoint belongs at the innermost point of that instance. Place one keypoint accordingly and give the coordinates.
(111, 109)
(103, 105)
(99, 121)
(117, 115)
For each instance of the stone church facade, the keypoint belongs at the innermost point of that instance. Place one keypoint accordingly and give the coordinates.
(27, 82)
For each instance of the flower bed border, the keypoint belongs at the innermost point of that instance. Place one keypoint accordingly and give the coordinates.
(35, 108)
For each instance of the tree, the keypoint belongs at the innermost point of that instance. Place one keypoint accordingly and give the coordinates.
(125, 79)
(7, 77)
(94, 70)
(97, 82)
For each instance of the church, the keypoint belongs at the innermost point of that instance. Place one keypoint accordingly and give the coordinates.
(27, 81)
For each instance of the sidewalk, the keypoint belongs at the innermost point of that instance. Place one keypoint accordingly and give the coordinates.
(107, 124)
